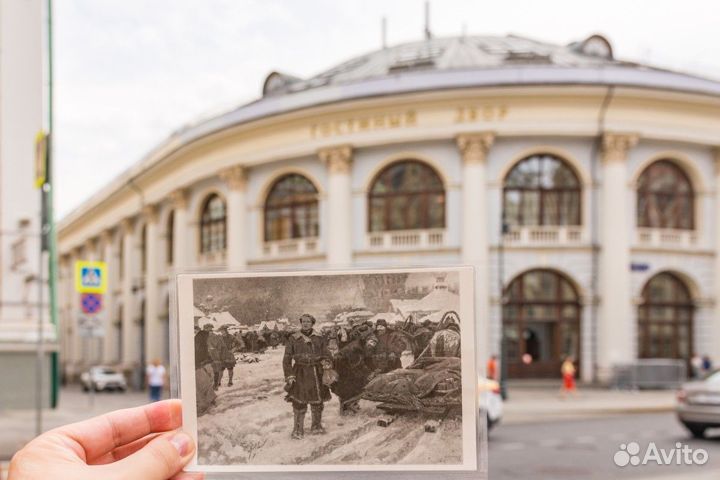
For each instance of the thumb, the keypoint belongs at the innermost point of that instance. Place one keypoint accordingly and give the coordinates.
(160, 459)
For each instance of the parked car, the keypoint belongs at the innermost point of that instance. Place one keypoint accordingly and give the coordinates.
(103, 378)
(491, 402)
(698, 405)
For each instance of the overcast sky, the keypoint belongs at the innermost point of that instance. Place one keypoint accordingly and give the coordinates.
(130, 72)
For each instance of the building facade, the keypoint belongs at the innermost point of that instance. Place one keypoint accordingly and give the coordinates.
(21, 119)
(583, 189)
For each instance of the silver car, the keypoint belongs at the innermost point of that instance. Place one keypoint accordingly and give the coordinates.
(698, 406)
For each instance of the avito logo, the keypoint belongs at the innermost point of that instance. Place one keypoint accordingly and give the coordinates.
(629, 454)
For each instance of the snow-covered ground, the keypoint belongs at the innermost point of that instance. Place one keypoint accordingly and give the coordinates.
(250, 423)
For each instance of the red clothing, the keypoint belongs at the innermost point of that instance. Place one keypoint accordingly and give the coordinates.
(569, 381)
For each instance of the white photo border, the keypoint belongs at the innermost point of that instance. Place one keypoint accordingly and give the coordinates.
(183, 371)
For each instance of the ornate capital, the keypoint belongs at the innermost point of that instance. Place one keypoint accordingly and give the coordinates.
(338, 159)
(474, 146)
(616, 145)
(179, 198)
(716, 157)
(127, 224)
(106, 236)
(89, 246)
(150, 213)
(235, 177)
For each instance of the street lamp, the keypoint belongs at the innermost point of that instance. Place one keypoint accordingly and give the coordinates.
(504, 229)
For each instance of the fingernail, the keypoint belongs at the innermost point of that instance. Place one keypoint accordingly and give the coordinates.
(181, 442)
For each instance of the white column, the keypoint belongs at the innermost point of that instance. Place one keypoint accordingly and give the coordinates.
(474, 148)
(617, 316)
(715, 332)
(179, 200)
(235, 178)
(153, 342)
(130, 355)
(109, 340)
(338, 237)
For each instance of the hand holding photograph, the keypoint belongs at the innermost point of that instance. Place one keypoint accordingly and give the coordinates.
(329, 371)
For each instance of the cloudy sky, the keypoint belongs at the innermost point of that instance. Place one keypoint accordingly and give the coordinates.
(130, 72)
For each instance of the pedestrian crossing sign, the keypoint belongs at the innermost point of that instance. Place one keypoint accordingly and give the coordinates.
(90, 277)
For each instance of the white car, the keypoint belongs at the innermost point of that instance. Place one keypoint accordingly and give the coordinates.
(103, 378)
(698, 405)
(491, 402)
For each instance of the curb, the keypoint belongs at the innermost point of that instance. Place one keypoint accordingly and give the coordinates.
(543, 416)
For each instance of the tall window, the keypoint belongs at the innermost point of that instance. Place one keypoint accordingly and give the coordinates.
(665, 197)
(542, 190)
(665, 318)
(212, 225)
(406, 195)
(291, 209)
(169, 230)
(541, 322)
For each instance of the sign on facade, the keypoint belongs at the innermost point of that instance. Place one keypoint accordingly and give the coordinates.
(90, 277)
(91, 303)
(90, 326)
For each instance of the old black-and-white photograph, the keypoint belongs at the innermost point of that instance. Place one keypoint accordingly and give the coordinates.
(330, 369)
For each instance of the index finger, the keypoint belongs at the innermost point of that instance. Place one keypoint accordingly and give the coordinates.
(100, 435)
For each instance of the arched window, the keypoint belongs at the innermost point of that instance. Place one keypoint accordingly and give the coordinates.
(406, 195)
(169, 239)
(542, 190)
(541, 322)
(665, 197)
(212, 225)
(665, 318)
(291, 209)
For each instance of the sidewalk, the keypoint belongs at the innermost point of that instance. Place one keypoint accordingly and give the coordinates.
(526, 404)
(18, 426)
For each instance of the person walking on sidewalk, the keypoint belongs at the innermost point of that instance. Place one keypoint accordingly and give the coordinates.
(155, 377)
(492, 368)
(568, 371)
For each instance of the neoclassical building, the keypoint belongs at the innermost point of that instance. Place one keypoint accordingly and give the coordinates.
(584, 189)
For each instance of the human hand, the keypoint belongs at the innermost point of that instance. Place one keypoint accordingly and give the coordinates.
(134, 443)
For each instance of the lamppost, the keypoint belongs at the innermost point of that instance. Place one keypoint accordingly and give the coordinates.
(504, 228)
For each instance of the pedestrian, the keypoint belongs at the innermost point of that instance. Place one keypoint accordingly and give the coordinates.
(228, 357)
(492, 368)
(696, 363)
(143, 442)
(305, 358)
(568, 371)
(155, 379)
(707, 365)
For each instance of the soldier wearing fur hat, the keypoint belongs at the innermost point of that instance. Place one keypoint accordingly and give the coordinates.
(384, 358)
(306, 356)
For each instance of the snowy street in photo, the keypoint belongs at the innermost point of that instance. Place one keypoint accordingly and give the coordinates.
(250, 423)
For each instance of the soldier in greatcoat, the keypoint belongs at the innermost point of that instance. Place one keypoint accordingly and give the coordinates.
(306, 356)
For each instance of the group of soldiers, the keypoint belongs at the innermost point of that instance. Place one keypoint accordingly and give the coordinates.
(219, 348)
(344, 360)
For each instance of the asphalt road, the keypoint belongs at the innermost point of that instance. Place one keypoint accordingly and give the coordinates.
(585, 449)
